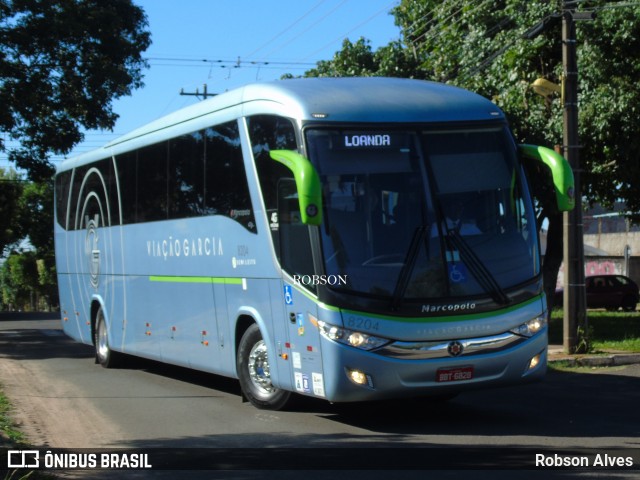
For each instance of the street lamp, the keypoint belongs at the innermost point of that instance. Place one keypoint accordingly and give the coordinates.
(545, 88)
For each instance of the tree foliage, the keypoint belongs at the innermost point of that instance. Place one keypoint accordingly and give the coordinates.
(483, 46)
(11, 189)
(18, 281)
(27, 278)
(36, 215)
(62, 63)
(359, 60)
(490, 47)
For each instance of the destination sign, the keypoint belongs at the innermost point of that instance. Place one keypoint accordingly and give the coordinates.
(363, 141)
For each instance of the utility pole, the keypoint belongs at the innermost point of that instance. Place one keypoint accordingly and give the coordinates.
(197, 93)
(575, 308)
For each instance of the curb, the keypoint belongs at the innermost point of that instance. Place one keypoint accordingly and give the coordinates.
(607, 360)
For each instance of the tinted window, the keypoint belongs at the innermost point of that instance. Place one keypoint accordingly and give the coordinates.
(201, 173)
(186, 179)
(63, 183)
(152, 183)
(290, 237)
(270, 133)
(127, 177)
(226, 191)
(94, 196)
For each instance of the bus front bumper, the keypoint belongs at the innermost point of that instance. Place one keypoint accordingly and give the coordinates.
(352, 375)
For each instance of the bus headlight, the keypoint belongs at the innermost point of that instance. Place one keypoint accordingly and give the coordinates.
(533, 326)
(360, 340)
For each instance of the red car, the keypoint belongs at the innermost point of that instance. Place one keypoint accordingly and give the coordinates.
(608, 291)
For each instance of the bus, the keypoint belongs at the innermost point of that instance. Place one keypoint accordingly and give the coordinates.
(349, 239)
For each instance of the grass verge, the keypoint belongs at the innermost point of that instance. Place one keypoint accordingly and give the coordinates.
(607, 330)
(570, 367)
(10, 437)
(14, 436)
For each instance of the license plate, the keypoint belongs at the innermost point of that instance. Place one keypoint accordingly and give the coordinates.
(459, 374)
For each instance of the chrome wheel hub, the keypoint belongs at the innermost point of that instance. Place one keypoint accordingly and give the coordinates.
(102, 342)
(259, 370)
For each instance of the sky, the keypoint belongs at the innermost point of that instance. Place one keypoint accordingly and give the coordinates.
(228, 44)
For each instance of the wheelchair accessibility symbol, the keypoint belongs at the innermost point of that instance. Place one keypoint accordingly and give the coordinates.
(457, 272)
(288, 295)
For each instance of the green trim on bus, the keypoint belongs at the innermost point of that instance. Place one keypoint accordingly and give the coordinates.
(434, 319)
(177, 279)
(453, 318)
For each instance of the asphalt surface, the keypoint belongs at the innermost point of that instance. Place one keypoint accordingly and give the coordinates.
(591, 411)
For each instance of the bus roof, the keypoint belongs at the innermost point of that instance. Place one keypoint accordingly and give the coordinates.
(350, 100)
(377, 99)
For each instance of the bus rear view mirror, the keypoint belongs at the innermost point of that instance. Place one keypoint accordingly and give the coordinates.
(555, 166)
(307, 183)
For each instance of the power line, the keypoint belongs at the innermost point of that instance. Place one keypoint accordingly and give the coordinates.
(435, 31)
(386, 8)
(427, 27)
(308, 29)
(285, 30)
(208, 62)
(613, 5)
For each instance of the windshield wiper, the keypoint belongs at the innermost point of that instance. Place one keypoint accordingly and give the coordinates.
(407, 268)
(477, 268)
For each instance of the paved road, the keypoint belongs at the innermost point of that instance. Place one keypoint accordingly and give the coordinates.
(66, 401)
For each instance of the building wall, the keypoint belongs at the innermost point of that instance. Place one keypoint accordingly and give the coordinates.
(607, 265)
(607, 235)
(614, 243)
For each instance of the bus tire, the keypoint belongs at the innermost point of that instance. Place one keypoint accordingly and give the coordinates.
(254, 372)
(104, 355)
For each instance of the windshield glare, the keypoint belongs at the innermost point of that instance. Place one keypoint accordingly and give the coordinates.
(424, 214)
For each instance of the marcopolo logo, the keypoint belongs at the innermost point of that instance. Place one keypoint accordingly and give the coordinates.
(332, 280)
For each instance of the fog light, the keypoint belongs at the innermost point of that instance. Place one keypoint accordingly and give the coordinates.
(534, 362)
(359, 378)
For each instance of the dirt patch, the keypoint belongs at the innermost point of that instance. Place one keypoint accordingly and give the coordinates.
(52, 414)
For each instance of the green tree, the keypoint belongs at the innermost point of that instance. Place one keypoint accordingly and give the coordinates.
(359, 60)
(62, 63)
(27, 279)
(483, 46)
(19, 281)
(11, 188)
(47, 286)
(488, 47)
(36, 215)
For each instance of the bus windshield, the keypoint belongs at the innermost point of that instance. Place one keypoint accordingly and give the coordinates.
(414, 215)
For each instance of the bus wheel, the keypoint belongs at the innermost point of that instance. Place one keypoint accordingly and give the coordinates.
(104, 355)
(254, 372)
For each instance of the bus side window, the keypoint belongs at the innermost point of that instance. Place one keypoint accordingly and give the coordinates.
(63, 184)
(226, 191)
(295, 245)
(269, 132)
